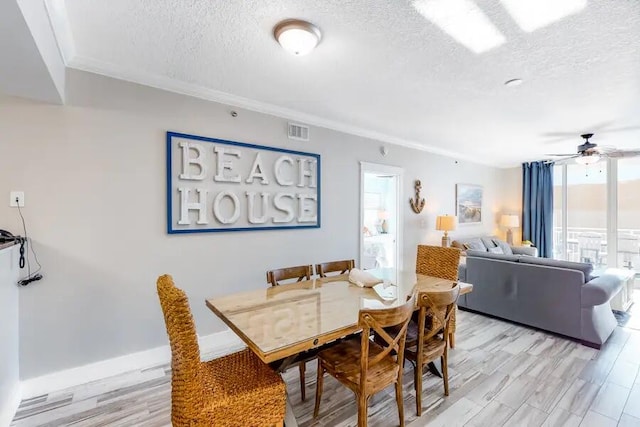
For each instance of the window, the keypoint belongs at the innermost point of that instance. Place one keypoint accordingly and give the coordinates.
(597, 213)
(628, 211)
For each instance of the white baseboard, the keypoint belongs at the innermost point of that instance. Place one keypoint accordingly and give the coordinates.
(8, 409)
(216, 345)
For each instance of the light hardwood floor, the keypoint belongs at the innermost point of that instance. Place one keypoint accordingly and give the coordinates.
(500, 374)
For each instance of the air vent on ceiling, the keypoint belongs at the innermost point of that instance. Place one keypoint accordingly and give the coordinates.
(298, 131)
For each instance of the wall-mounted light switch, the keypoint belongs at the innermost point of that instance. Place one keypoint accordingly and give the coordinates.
(16, 198)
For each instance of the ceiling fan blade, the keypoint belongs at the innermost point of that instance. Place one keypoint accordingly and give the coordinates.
(566, 161)
(619, 154)
(620, 129)
(563, 155)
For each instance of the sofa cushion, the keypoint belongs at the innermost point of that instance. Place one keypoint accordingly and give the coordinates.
(496, 250)
(488, 242)
(483, 254)
(506, 249)
(586, 269)
(475, 244)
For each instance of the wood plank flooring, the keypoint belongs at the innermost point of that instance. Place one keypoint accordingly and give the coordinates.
(500, 375)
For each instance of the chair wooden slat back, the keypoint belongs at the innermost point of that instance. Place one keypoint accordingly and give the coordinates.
(438, 261)
(439, 306)
(342, 267)
(301, 272)
(375, 321)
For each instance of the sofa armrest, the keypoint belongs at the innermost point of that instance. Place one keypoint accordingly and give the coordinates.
(600, 290)
(525, 250)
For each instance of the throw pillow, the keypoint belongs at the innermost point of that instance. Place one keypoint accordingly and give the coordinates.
(476, 245)
(496, 250)
(506, 249)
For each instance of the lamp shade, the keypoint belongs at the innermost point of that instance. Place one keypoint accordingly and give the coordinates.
(510, 221)
(445, 223)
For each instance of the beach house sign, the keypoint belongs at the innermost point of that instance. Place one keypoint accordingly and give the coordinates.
(216, 185)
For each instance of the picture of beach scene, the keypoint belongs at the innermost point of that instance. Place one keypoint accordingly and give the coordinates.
(469, 203)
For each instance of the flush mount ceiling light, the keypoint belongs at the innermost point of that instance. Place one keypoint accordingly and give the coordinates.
(513, 82)
(464, 21)
(533, 14)
(296, 36)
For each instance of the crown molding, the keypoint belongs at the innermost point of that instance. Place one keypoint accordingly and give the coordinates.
(59, 21)
(177, 86)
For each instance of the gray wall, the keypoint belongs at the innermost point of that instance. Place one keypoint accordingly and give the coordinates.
(9, 381)
(94, 177)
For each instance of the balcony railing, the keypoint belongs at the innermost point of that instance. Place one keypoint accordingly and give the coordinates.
(590, 245)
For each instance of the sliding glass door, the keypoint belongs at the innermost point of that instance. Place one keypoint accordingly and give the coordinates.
(628, 210)
(597, 213)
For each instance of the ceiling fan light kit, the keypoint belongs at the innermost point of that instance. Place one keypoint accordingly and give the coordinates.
(588, 153)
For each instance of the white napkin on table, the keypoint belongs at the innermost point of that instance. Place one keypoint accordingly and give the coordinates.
(363, 279)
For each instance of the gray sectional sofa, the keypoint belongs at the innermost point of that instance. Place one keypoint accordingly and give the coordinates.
(557, 296)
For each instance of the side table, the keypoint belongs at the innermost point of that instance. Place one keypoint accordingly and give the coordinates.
(623, 299)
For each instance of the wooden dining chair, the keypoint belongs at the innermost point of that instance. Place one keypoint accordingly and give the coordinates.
(341, 267)
(365, 366)
(301, 272)
(441, 262)
(238, 389)
(424, 343)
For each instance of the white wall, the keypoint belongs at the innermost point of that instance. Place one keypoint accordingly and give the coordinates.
(511, 197)
(9, 381)
(94, 177)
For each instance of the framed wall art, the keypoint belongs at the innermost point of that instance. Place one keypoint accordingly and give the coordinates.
(469, 203)
(217, 185)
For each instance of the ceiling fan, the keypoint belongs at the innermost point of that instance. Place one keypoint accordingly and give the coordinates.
(589, 153)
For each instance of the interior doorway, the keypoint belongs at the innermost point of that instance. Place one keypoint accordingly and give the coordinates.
(380, 220)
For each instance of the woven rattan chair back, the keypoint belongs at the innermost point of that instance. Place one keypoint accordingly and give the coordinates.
(187, 394)
(301, 272)
(341, 267)
(375, 321)
(438, 261)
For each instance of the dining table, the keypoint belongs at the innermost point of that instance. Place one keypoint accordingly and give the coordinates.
(280, 323)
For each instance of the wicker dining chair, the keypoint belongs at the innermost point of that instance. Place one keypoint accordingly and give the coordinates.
(234, 390)
(424, 343)
(365, 366)
(341, 267)
(301, 272)
(438, 261)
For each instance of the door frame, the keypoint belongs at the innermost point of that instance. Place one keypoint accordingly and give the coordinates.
(398, 172)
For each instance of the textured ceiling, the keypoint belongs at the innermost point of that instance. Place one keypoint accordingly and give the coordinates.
(383, 70)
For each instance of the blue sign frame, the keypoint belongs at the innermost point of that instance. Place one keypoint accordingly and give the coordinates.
(171, 230)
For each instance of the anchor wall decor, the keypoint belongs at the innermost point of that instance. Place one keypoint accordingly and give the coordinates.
(417, 204)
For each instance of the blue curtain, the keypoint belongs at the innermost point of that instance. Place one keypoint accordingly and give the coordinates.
(537, 206)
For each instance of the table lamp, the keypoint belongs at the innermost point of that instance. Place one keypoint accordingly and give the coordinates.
(510, 221)
(445, 223)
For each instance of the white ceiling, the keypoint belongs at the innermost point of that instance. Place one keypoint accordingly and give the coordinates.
(381, 69)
